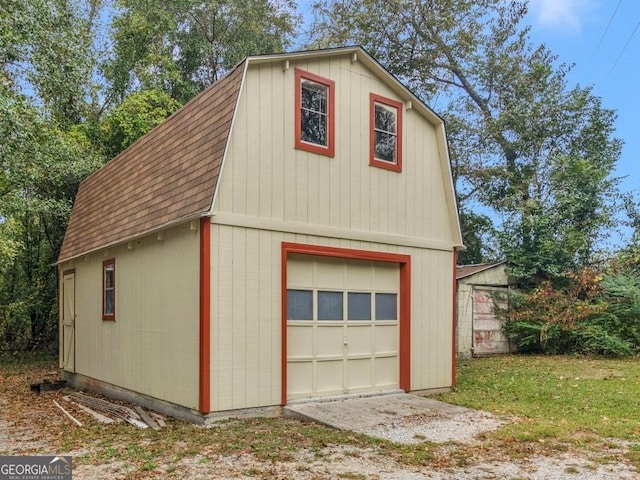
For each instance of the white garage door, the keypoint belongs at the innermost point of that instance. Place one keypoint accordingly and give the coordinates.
(342, 326)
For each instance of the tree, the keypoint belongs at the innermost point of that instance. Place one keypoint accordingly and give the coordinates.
(50, 54)
(138, 114)
(47, 89)
(182, 46)
(42, 167)
(520, 140)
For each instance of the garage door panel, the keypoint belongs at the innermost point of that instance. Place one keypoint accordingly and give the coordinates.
(386, 277)
(299, 378)
(386, 371)
(359, 276)
(329, 273)
(341, 343)
(298, 272)
(330, 376)
(299, 341)
(386, 339)
(359, 339)
(359, 373)
(330, 340)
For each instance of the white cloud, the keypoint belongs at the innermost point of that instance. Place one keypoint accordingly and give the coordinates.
(561, 14)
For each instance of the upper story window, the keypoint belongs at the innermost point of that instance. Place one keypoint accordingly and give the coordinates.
(315, 120)
(386, 133)
(109, 289)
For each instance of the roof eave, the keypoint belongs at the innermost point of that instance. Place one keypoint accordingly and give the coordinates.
(133, 238)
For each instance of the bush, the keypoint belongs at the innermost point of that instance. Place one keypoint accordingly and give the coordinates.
(594, 315)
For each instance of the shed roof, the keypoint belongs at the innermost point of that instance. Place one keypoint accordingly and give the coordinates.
(463, 271)
(166, 177)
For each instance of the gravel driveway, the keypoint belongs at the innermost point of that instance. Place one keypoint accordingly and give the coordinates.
(342, 462)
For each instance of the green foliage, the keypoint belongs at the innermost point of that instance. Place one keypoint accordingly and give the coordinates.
(477, 231)
(137, 115)
(182, 46)
(42, 167)
(593, 314)
(66, 104)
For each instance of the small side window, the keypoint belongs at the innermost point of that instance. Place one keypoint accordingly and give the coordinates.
(386, 133)
(109, 289)
(314, 115)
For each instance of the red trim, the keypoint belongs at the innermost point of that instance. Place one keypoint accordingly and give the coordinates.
(454, 320)
(283, 309)
(405, 299)
(329, 150)
(205, 316)
(373, 161)
(112, 316)
(405, 325)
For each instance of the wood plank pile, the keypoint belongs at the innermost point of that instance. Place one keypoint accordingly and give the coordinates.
(107, 412)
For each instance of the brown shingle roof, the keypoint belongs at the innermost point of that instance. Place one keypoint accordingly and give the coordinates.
(167, 176)
(468, 270)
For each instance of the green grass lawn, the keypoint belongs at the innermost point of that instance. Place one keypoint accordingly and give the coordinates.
(555, 397)
(554, 404)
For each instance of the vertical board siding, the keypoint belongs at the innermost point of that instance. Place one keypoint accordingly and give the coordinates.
(265, 176)
(156, 317)
(247, 322)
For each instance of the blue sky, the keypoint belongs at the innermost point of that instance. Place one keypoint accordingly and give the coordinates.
(606, 54)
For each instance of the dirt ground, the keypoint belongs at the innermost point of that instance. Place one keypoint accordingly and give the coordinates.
(41, 430)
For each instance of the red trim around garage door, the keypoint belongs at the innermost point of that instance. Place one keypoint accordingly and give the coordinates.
(405, 299)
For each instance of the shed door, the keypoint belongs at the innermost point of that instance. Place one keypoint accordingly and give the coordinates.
(69, 321)
(488, 337)
(342, 326)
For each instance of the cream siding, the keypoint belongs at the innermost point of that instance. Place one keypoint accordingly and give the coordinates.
(265, 177)
(151, 348)
(270, 192)
(246, 319)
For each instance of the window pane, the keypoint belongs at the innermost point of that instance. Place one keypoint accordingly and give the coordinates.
(313, 128)
(314, 96)
(359, 306)
(299, 305)
(108, 276)
(108, 302)
(385, 118)
(385, 146)
(314, 113)
(386, 306)
(330, 305)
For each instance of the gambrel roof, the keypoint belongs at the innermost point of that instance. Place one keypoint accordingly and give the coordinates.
(171, 174)
(167, 177)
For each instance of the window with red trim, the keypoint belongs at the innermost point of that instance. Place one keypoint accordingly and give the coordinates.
(109, 289)
(386, 133)
(315, 113)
